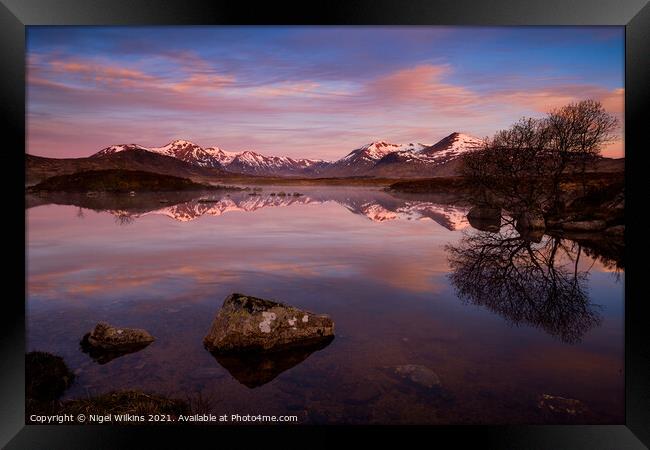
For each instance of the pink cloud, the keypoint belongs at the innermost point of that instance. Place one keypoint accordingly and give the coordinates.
(202, 82)
(286, 89)
(102, 72)
(420, 84)
(101, 75)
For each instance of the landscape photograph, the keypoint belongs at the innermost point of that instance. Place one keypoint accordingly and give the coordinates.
(325, 225)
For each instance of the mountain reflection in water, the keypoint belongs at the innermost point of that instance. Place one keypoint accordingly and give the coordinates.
(185, 207)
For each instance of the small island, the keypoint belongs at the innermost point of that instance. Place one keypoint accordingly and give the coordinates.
(118, 181)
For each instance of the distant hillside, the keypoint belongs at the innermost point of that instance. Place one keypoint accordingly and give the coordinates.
(597, 177)
(117, 180)
(40, 168)
(608, 165)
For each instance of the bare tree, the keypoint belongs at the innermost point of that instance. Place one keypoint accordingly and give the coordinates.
(522, 168)
(577, 132)
(513, 168)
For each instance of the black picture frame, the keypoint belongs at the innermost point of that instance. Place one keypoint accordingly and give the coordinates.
(15, 15)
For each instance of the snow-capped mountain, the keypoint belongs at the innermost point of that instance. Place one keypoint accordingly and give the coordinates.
(453, 146)
(183, 150)
(221, 155)
(252, 163)
(377, 150)
(440, 158)
(383, 159)
(379, 158)
(246, 162)
(362, 159)
(119, 148)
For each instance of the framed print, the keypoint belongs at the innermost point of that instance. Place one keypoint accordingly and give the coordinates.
(271, 223)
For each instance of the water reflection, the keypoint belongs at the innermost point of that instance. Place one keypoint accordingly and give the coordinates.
(185, 207)
(350, 252)
(256, 369)
(534, 282)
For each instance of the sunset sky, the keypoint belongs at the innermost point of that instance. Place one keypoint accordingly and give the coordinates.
(315, 92)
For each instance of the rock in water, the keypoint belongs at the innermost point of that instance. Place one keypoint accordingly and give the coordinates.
(109, 338)
(485, 218)
(247, 323)
(419, 375)
(561, 405)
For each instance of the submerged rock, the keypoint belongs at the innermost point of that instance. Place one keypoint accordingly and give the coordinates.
(113, 339)
(102, 356)
(247, 323)
(419, 375)
(561, 405)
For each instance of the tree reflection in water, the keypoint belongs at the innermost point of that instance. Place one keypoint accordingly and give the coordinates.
(532, 283)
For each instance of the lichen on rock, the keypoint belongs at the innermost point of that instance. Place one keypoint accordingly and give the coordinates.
(246, 323)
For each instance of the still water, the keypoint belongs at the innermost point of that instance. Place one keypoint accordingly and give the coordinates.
(498, 319)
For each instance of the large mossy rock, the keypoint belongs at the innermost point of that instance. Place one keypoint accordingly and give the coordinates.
(251, 324)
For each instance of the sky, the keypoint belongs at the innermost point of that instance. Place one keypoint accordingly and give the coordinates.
(312, 92)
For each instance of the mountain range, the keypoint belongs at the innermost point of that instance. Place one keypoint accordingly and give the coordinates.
(378, 158)
(181, 158)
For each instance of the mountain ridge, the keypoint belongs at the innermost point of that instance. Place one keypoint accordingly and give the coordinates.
(359, 162)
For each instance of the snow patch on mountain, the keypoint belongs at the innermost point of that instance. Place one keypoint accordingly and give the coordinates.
(377, 150)
(119, 148)
(453, 146)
